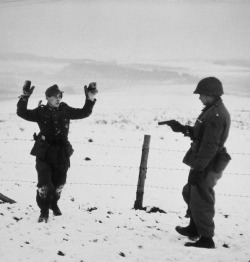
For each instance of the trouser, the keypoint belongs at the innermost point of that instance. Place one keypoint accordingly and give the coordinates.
(52, 174)
(201, 201)
(186, 196)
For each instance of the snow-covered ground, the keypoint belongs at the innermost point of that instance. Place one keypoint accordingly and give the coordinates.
(98, 221)
(144, 56)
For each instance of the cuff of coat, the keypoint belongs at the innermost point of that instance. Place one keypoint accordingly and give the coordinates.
(93, 101)
(24, 97)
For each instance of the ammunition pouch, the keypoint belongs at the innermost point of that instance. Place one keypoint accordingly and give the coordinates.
(191, 153)
(42, 144)
(221, 160)
(40, 147)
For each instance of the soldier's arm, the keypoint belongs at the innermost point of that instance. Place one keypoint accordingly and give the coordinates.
(209, 143)
(23, 112)
(79, 113)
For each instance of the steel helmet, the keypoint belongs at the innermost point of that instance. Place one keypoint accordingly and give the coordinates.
(210, 86)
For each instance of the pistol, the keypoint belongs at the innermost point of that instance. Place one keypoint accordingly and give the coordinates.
(164, 122)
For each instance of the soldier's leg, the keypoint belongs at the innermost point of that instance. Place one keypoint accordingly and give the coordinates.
(59, 180)
(186, 196)
(45, 188)
(186, 193)
(202, 201)
(190, 230)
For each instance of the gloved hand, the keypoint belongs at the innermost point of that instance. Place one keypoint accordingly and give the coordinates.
(90, 91)
(176, 126)
(27, 89)
(194, 177)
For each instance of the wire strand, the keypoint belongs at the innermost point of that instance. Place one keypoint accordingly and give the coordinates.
(121, 166)
(120, 185)
(117, 146)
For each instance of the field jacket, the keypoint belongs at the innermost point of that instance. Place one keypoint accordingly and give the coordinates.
(208, 135)
(53, 122)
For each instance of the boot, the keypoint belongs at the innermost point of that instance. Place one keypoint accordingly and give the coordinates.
(56, 210)
(203, 242)
(190, 231)
(44, 216)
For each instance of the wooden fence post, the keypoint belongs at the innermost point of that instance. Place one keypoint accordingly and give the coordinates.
(142, 173)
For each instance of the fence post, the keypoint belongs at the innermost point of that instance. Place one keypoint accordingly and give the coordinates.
(142, 173)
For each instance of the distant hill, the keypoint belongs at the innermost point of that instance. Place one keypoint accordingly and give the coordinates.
(71, 74)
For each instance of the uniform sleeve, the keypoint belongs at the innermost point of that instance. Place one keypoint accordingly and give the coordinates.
(210, 141)
(79, 113)
(23, 112)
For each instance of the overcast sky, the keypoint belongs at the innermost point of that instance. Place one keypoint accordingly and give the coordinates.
(127, 30)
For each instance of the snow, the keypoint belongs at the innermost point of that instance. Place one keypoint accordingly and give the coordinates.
(146, 57)
(98, 221)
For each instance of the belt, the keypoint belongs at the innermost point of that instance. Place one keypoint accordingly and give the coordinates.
(57, 141)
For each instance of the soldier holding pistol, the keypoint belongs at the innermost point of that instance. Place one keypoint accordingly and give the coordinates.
(207, 158)
(52, 148)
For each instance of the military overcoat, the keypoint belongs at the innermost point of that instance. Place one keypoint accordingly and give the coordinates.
(208, 135)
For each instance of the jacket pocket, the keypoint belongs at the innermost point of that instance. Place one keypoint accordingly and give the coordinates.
(221, 161)
(189, 157)
(40, 148)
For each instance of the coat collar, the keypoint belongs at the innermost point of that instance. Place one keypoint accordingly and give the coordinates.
(52, 109)
(215, 103)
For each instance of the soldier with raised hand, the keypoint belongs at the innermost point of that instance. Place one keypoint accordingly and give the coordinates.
(207, 159)
(52, 148)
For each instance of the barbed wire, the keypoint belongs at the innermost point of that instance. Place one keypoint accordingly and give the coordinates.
(20, 181)
(121, 166)
(16, 139)
(118, 146)
(120, 185)
(117, 166)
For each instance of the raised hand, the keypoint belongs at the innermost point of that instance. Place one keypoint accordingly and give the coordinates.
(27, 88)
(90, 91)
